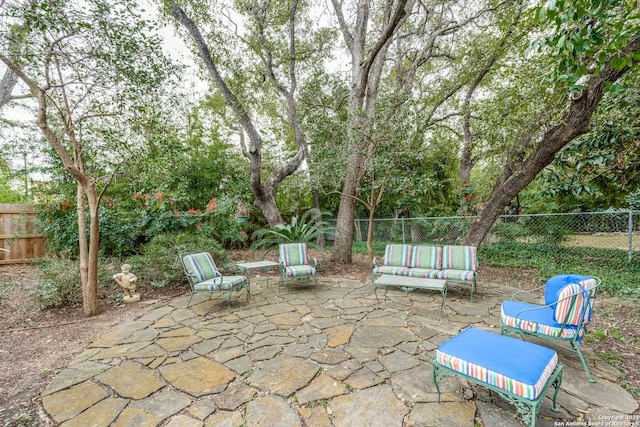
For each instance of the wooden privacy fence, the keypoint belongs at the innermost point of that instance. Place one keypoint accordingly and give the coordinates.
(19, 238)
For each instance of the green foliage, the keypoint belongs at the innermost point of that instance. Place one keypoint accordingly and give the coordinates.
(531, 228)
(361, 247)
(509, 232)
(58, 220)
(601, 168)
(59, 282)
(159, 263)
(633, 200)
(7, 193)
(126, 226)
(301, 230)
(585, 34)
(618, 277)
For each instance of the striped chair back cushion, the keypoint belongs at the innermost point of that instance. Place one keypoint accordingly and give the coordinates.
(200, 265)
(426, 257)
(554, 284)
(397, 255)
(575, 302)
(294, 254)
(459, 258)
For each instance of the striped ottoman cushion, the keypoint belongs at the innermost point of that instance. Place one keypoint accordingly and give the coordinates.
(517, 366)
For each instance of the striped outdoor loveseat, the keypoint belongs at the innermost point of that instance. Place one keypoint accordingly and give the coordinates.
(455, 264)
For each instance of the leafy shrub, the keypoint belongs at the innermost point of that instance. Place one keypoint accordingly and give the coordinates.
(59, 283)
(58, 220)
(159, 263)
(125, 227)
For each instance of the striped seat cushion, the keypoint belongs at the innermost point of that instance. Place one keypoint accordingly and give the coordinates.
(228, 283)
(536, 319)
(465, 275)
(397, 255)
(571, 297)
(517, 366)
(299, 271)
(390, 269)
(426, 257)
(554, 284)
(573, 306)
(423, 272)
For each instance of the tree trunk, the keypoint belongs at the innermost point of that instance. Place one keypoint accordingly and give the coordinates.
(90, 288)
(7, 83)
(342, 247)
(265, 193)
(75, 167)
(516, 176)
(365, 78)
(83, 244)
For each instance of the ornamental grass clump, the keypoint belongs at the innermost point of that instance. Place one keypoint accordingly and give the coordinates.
(306, 229)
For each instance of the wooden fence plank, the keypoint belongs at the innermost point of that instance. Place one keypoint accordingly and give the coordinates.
(19, 238)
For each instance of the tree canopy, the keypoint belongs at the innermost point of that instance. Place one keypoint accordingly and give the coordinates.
(395, 108)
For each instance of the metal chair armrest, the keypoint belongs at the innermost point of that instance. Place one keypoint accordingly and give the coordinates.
(526, 291)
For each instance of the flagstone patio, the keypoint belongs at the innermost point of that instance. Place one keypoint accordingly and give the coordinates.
(305, 358)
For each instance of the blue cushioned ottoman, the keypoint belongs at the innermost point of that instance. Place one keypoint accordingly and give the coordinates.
(519, 371)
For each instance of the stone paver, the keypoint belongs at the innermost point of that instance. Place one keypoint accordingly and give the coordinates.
(329, 358)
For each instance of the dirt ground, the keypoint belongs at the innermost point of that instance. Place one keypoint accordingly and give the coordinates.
(34, 344)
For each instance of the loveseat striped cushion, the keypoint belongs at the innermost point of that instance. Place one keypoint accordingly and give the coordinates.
(517, 366)
(397, 255)
(390, 269)
(459, 258)
(426, 257)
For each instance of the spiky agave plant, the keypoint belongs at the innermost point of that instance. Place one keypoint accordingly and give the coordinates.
(301, 230)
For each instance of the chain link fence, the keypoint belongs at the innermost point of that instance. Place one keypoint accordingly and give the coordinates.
(609, 230)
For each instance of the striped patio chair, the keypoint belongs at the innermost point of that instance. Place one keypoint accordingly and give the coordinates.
(295, 264)
(204, 276)
(565, 315)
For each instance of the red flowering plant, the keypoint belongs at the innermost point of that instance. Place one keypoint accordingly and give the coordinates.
(468, 198)
(167, 212)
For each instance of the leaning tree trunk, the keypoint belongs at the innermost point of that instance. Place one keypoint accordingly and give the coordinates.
(516, 176)
(264, 191)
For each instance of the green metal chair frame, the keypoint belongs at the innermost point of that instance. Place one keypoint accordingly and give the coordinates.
(584, 297)
(204, 276)
(295, 264)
